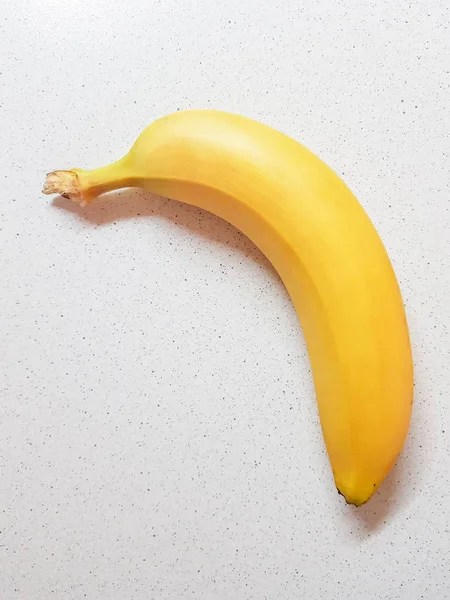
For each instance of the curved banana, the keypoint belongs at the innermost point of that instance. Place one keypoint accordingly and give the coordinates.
(327, 252)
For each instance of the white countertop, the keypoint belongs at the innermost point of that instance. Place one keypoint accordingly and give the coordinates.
(159, 436)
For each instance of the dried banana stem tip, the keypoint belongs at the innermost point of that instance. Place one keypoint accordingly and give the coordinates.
(64, 183)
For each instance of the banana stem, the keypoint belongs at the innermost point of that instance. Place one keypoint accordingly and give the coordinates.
(84, 186)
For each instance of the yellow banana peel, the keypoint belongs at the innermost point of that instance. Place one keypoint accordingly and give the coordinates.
(320, 240)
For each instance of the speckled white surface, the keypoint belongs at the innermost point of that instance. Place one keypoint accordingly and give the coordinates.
(158, 431)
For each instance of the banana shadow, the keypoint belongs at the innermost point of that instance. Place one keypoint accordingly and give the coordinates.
(132, 203)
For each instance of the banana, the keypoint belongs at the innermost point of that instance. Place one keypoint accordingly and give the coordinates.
(320, 240)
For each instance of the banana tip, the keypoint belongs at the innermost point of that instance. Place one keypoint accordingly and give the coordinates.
(351, 500)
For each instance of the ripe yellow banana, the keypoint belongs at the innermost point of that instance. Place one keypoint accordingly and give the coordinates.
(327, 252)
